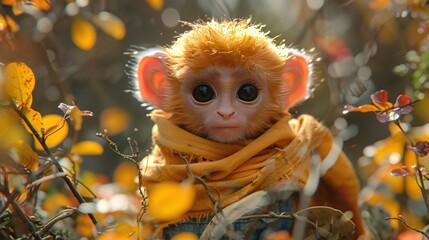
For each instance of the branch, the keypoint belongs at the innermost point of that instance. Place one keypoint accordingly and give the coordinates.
(54, 161)
(402, 220)
(62, 215)
(419, 172)
(206, 187)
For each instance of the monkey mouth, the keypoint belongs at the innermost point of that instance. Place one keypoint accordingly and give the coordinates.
(225, 127)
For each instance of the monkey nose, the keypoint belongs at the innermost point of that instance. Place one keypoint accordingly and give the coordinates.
(225, 114)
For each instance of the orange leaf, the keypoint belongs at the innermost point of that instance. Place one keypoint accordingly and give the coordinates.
(84, 226)
(409, 235)
(185, 236)
(110, 24)
(363, 108)
(8, 23)
(87, 148)
(115, 120)
(155, 4)
(57, 130)
(412, 188)
(126, 174)
(19, 82)
(113, 236)
(83, 34)
(380, 4)
(280, 235)
(3, 23)
(17, 9)
(42, 4)
(9, 2)
(35, 119)
(161, 206)
(55, 201)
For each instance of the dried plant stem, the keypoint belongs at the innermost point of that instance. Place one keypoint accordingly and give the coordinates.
(402, 220)
(62, 215)
(134, 157)
(206, 187)
(419, 173)
(67, 180)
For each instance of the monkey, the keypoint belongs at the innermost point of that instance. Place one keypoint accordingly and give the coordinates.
(222, 93)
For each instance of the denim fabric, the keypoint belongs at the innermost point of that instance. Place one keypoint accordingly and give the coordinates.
(243, 229)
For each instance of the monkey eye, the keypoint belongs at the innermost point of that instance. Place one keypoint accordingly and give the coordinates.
(247, 93)
(203, 93)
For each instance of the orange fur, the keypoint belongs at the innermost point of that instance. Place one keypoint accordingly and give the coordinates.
(229, 44)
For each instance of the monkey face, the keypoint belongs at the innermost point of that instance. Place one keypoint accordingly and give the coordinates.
(225, 101)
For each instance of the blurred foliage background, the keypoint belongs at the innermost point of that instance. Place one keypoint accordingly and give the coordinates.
(79, 50)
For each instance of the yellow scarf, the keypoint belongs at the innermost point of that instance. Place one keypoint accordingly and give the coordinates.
(236, 170)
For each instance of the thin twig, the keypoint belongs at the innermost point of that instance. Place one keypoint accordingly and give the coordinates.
(206, 187)
(45, 179)
(402, 220)
(419, 173)
(62, 215)
(135, 159)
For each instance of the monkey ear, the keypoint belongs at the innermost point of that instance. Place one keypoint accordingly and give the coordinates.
(296, 79)
(151, 76)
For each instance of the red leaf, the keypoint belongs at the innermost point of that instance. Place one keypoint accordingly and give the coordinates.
(379, 96)
(421, 148)
(404, 104)
(399, 172)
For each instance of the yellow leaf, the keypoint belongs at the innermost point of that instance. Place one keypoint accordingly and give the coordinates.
(3, 23)
(87, 148)
(155, 4)
(11, 129)
(389, 204)
(35, 119)
(84, 226)
(185, 236)
(56, 130)
(11, 24)
(19, 82)
(115, 120)
(124, 230)
(126, 174)
(83, 34)
(17, 10)
(9, 2)
(29, 101)
(412, 188)
(55, 201)
(27, 157)
(170, 200)
(8, 23)
(110, 24)
(88, 179)
(77, 118)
